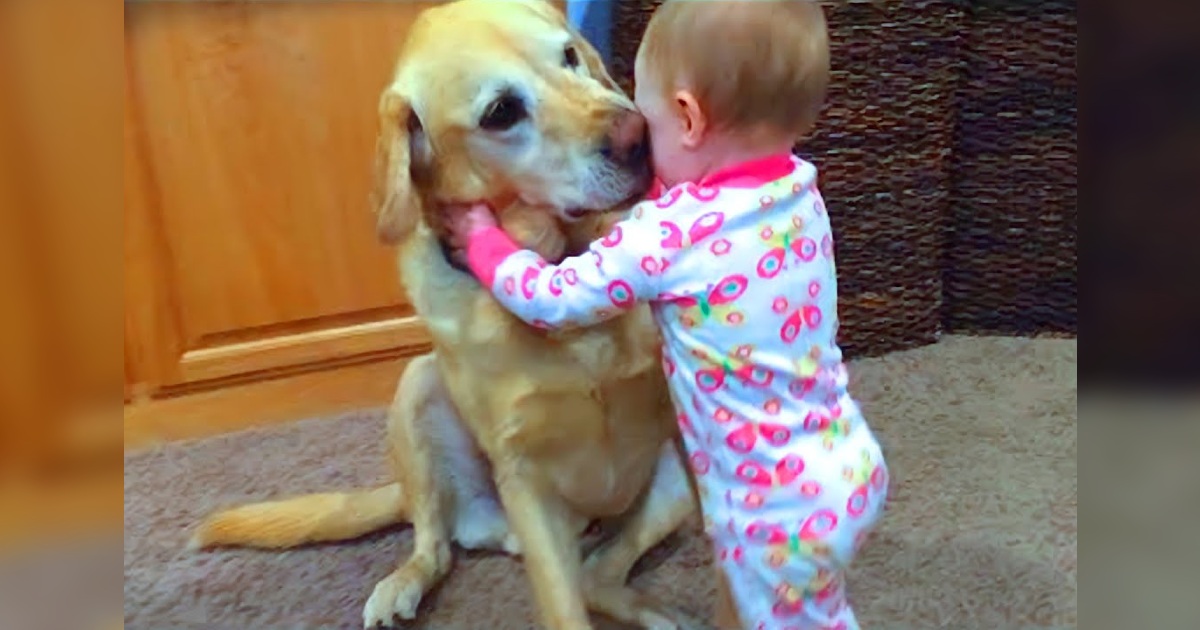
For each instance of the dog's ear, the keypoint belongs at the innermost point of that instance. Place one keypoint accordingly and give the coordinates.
(402, 155)
(546, 9)
(595, 64)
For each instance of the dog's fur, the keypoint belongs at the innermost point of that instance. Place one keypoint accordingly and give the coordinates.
(503, 426)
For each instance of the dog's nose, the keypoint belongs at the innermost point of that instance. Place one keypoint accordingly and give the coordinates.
(626, 141)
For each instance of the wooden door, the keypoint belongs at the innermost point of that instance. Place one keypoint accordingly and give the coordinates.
(249, 136)
(60, 238)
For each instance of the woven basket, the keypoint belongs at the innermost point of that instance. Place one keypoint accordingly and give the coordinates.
(882, 146)
(1010, 258)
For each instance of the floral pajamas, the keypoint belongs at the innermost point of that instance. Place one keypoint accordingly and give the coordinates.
(739, 273)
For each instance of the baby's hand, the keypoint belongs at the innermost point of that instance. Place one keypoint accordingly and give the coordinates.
(464, 222)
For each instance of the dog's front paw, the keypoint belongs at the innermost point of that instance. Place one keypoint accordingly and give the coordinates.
(663, 617)
(394, 600)
(512, 545)
(676, 618)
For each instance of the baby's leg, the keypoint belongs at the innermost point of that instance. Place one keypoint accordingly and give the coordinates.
(805, 594)
(788, 573)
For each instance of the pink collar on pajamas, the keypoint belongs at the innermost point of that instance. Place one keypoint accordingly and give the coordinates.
(751, 174)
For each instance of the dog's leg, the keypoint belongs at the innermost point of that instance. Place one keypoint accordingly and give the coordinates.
(421, 401)
(549, 541)
(663, 509)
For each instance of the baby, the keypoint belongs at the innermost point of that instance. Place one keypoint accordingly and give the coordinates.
(734, 254)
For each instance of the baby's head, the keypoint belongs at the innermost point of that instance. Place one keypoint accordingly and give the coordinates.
(729, 76)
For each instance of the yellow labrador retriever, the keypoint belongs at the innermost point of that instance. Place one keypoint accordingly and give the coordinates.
(506, 437)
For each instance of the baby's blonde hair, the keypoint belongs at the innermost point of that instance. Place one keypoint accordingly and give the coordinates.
(750, 63)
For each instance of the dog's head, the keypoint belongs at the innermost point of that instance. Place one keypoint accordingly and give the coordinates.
(501, 101)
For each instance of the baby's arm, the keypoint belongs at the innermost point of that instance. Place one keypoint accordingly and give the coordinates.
(614, 274)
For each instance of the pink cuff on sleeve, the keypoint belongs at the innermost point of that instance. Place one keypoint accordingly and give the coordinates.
(486, 250)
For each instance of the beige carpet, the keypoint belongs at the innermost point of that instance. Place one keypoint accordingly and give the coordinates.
(980, 532)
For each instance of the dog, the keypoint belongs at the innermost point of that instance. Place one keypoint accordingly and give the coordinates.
(506, 437)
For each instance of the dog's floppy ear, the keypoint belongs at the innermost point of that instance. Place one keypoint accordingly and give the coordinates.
(546, 9)
(591, 59)
(401, 155)
(587, 52)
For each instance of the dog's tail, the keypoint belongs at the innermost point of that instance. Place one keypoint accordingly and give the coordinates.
(305, 519)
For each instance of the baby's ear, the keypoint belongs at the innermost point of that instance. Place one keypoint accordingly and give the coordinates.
(692, 121)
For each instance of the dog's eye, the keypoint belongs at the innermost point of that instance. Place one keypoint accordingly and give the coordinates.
(571, 57)
(503, 113)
